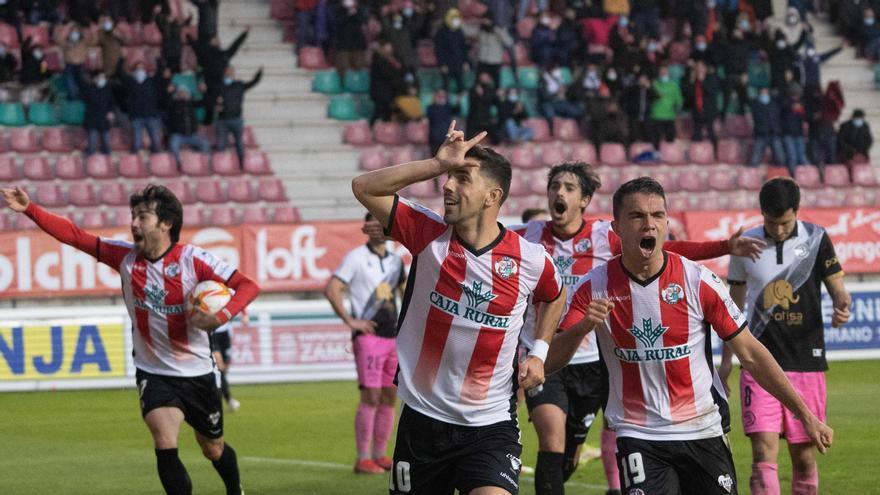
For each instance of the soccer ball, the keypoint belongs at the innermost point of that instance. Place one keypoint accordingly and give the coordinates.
(208, 296)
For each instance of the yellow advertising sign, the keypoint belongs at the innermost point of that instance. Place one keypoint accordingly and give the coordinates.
(36, 352)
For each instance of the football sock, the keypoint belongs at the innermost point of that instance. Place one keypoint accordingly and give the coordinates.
(224, 386)
(569, 461)
(227, 467)
(174, 478)
(609, 458)
(805, 484)
(548, 474)
(382, 429)
(765, 479)
(363, 429)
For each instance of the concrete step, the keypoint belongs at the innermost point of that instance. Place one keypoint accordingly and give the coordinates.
(302, 133)
(289, 110)
(315, 158)
(253, 8)
(256, 36)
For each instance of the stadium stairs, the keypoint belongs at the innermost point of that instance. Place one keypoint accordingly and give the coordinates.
(289, 120)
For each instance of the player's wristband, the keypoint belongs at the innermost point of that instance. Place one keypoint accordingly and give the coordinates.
(539, 350)
(225, 312)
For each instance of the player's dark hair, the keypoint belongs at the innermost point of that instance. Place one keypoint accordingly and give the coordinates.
(494, 166)
(644, 185)
(588, 179)
(778, 195)
(528, 213)
(168, 207)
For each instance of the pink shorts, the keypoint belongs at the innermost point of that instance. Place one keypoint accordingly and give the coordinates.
(376, 360)
(761, 412)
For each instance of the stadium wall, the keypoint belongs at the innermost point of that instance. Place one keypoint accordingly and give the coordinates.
(51, 348)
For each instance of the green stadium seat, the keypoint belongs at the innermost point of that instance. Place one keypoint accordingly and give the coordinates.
(58, 86)
(188, 81)
(42, 113)
(530, 102)
(463, 103)
(73, 112)
(759, 75)
(426, 98)
(357, 81)
(529, 77)
(877, 75)
(365, 107)
(327, 82)
(567, 78)
(506, 79)
(430, 79)
(676, 72)
(342, 107)
(12, 114)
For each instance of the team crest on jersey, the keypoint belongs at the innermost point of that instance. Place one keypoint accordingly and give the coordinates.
(515, 463)
(506, 267)
(726, 482)
(172, 270)
(562, 263)
(214, 418)
(475, 296)
(155, 294)
(583, 246)
(801, 251)
(672, 294)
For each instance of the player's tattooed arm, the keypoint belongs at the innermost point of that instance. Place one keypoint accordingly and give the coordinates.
(566, 343)
(375, 190)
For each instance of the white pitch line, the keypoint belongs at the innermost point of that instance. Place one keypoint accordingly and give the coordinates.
(346, 467)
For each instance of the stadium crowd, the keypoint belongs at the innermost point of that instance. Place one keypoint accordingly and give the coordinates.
(625, 70)
(128, 83)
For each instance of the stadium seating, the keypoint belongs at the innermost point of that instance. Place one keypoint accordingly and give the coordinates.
(42, 114)
(240, 190)
(8, 169)
(132, 167)
(24, 140)
(37, 168)
(807, 176)
(225, 163)
(113, 193)
(100, 166)
(257, 163)
(69, 167)
(163, 165)
(194, 164)
(82, 194)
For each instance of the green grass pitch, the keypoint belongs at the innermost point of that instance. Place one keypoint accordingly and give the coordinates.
(298, 439)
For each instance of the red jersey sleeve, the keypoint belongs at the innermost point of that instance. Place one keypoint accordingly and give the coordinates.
(549, 283)
(413, 225)
(698, 250)
(718, 307)
(578, 302)
(210, 267)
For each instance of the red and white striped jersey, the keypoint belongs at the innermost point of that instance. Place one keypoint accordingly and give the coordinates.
(574, 257)
(461, 318)
(154, 292)
(656, 346)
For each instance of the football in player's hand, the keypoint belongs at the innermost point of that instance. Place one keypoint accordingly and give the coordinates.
(208, 296)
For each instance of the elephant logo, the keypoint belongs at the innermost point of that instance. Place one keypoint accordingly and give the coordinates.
(780, 292)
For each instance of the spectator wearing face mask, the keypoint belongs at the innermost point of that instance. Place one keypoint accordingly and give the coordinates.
(811, 66)
(766, 129)
(231, 116)
(401, 29)
(793, 119)
(172, 45)
(637, 100)
(614, 83)
(653, 55)
(142, 93)
(440, 114)
(553, 97)
(854, 139)
(75, 50)
(782, 58)
(735, 60)
(7, 64)
(111, 43)
(213, 59)
(545, 46)
(492, 41)
(665, 108)
(99, 109)
(512, 114)
(869, 35)
(482, 99)
(793, 28)
(451, 49)
(704, 52)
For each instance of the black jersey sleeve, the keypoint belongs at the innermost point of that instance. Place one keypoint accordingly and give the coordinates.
(827, 263)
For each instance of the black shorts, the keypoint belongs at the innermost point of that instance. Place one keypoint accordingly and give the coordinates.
(198, 397)
(434, 457)
(689, 467)
(220, 342)
(580, 390)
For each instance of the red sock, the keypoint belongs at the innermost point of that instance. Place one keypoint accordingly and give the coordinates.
(382, 429)
(609, 459)
(765, 479)
(363, 429)
(805, 484)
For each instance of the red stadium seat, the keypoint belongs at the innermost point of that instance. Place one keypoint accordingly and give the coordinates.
(730, 152)
(150, 34)
(425, 52)
(210, 191)
(388, 133)
(163, 165)
(722, 179)
(272, 189)
(863, 175)
(737, 126)
(538, 181)
(807, 176)
(182, 191)
(8, 36)
(402, 154)
(22, 222)
(95, 59)
(610, 179)
(678, 201)
(222, 215)
(639, 147)
(837, 176)
(193, 164)
(583, 152)
(472, 8)
(93, 219)
(742, 200)
(858, 197)
(524, 157)
(57, 140)
(540, 128)
(666, 177)
(701, 153)
(225, 163)
(257, 163)
(39, 34)
(37, 168)
(712, 201)
(254, 214)
(113, 193)
(241, 190)
(286, 214)
(82, 194)
(131, 166)
(8, 169)
(54, 59)
(519, 185)
(48, 194)
(552, 154)
(69, 167)
(612, 154)
(358, 133)
(99, 166)
(128, 33)
(311, 57)
(120, 140)
(416, 132)
(693, 179)
(831, 198)
(672, 153)
(423, 189)
(250, 140)
(373, 159)
(776, 172)
(24, 140)
(119, 217)
(566, 130)
(749, 178)
(192, 216)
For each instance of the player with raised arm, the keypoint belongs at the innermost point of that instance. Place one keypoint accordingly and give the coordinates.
(469, 285)
(652, 310)
(176, 376)
(781, 293)
(564, 408)
(373, 275)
